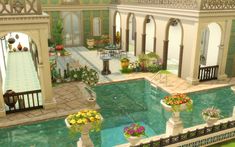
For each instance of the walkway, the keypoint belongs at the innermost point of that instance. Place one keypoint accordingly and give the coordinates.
(21, 74)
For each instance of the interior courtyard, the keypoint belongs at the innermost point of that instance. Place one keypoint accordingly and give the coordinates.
(103, 73)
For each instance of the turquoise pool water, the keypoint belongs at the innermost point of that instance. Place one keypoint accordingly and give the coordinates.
(121, 104)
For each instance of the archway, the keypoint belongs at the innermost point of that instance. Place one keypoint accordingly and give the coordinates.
(20, 73)
(149, 35)
(173, 47)
(117, 30)
(72, 28)
(209, 52)
(131, 34)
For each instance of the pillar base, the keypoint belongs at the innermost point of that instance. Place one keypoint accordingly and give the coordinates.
(174, 127)
(2, 113)
(49, 105)
(192, 81)
(222, 77)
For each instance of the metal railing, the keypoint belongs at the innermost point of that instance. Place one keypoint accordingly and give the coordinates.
(189, 135)
(208, 73)
(183, 4)
(20, 7)
(22, 101)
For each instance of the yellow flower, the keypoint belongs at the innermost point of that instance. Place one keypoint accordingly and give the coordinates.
(92, 119)
(72, 121)
(97, 117)
(79, 121)
(84, 120)
(88, 114)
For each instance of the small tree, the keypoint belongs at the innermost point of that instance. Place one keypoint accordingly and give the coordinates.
(57, 30)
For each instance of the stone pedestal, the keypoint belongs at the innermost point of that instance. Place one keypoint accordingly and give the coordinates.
(174, 125)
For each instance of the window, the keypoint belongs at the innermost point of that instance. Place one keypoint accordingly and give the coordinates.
(96, 26)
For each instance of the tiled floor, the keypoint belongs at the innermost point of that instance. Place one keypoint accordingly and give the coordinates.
(21, 74)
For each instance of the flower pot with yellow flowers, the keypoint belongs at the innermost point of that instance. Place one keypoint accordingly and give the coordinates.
(83, 122)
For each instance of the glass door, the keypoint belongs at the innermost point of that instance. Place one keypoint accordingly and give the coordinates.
(72, 28)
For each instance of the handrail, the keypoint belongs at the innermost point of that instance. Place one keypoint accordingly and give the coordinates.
(155, 75)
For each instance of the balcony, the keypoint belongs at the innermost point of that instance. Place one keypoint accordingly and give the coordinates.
(183, 4)
(20, 7)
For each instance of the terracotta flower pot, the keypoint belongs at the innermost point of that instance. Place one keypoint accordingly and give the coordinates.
(19, 47)
(59, 47)
(125, 64)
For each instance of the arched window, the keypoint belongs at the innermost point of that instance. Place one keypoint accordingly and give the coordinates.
(96, 26)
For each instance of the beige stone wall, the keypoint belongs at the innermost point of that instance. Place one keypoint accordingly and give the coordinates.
(193, 24)
(37, 28)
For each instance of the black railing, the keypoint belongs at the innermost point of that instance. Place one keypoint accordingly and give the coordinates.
(22, 101)
(208, 73)
(189, 135)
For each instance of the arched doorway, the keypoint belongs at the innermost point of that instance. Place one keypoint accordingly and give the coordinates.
(20, 74)
(72, 28)
(131, 34)
(117, 30)
(173, 47)
(209, 52)
(149, 35)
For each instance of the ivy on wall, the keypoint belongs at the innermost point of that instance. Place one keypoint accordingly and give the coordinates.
(230, 65)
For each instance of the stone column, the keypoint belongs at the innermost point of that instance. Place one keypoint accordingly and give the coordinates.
(44, 72)
(143, 43)
(195, 54)
(180, 60)
(2, 104)
(139, 26)
(165, 53)
(127, 40)
(223, 49)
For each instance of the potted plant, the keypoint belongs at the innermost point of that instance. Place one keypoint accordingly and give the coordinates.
(134, 133)
(211, 115)
(177, 102)
(143, 60)
(57, 34)
(125, 63)
(83, 122)
(90, 42)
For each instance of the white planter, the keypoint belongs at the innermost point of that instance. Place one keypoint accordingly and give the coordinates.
(92, 102)
(170, 109)
(84, 140)
(90, 43)
(134, 140)
(210, 121)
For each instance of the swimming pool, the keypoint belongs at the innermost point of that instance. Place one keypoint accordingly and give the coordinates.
(121, 103)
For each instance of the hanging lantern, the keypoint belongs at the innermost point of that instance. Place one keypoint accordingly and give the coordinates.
(11, 39)
(17, 36)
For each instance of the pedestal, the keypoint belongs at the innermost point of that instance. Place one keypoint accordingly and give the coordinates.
(174, 125)
(105, 70)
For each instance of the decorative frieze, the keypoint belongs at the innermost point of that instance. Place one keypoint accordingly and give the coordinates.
(183, 4)
(20, 7)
